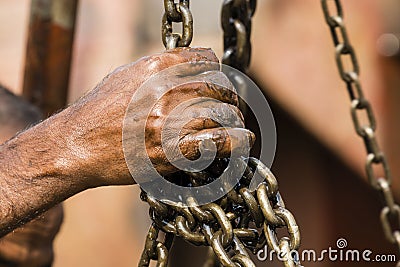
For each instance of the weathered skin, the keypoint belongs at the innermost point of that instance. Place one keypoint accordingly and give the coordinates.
(32, 244)
(81, 147)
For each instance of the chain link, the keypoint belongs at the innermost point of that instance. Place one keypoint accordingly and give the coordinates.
(156, 250)
(236, 19)
(178, 13)
(242, 219)
(375, 158)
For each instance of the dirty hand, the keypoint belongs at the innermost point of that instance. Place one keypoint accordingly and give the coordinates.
(92, 127)
(82, 146)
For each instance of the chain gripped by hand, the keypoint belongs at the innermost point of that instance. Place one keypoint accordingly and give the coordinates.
(242, 219)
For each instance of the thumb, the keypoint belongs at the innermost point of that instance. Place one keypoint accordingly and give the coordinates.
(227, 140)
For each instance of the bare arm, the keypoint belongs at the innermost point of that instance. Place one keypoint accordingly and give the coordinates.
(31, 180)
(32, 244)
(81, 147)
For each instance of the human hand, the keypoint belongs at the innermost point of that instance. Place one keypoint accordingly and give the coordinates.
(82, 146)
(92, 127)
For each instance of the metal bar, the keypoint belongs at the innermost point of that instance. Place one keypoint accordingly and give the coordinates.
(49, 52)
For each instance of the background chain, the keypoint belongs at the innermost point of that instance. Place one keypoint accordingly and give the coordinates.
(236, 19)
(375, 157)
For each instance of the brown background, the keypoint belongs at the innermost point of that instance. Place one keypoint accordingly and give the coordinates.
(319, 159)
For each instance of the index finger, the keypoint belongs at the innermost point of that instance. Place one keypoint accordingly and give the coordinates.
(199, 59)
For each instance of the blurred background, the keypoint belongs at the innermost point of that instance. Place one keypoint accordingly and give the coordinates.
(319, 161)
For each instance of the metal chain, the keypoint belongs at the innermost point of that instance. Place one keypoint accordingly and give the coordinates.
(236, 19)
(178, 13)
(156, 250)
(242, 219)
(375, 157)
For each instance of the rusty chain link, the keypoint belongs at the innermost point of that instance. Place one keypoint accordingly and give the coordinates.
(178, 13)
(359, 103)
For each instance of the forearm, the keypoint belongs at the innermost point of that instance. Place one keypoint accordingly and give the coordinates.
(32, 177)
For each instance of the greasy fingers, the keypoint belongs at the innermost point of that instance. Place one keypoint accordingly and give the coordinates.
(188, 111)
(200, 60)
(213, 114)
(190, 55)
(211, 84)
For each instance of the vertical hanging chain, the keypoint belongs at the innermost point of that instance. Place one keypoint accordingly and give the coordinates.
(236, 19)
(236, 22)
(178, 13)
(375, 157)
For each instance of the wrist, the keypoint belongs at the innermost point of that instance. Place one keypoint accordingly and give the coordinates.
(32, 179)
